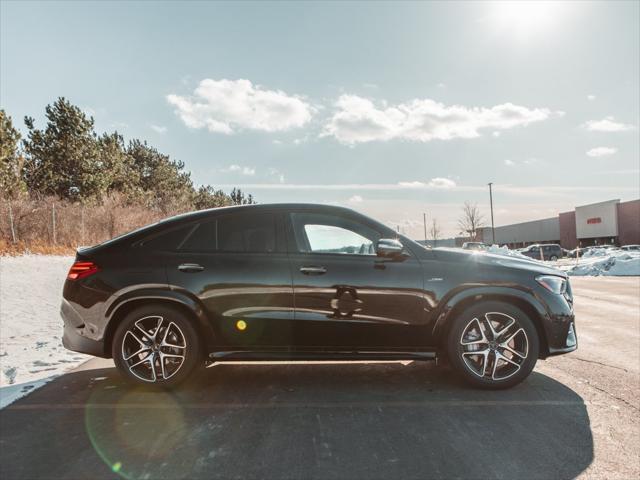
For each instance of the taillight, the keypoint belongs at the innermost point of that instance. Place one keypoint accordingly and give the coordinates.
(82, 269)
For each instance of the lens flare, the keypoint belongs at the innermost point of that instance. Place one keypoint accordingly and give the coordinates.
(241, 325)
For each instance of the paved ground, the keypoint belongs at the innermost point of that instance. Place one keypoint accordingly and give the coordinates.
(577, 415)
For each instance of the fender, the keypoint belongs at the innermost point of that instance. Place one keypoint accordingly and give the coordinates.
(467, 292)
(162, 292)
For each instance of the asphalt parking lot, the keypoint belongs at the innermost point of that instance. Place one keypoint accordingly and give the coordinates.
(576, 416)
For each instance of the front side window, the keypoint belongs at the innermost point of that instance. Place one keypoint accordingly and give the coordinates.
(320, 233)
(249, 233)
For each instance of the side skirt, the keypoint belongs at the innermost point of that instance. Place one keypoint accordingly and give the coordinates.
(267, 355)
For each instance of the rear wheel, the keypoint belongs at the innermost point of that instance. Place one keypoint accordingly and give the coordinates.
(553, 258)
(493, 345)
(156, 344)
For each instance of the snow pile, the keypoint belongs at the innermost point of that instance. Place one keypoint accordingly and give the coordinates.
(496, 250)
(612, 263)
(31, 351)
(599, 252)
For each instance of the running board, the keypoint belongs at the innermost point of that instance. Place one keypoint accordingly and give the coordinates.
(321, 355)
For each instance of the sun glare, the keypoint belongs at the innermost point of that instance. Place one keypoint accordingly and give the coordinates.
(525, 18)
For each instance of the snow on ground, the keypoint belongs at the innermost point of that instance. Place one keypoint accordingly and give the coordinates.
(605, 262)
(595, 262)
(496, 250)
(31, 351)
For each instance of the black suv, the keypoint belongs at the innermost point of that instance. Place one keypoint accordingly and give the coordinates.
(546, 251)
(296, 282)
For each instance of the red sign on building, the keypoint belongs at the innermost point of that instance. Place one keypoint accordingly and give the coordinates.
(591, 221)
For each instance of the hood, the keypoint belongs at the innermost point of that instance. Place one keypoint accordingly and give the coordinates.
(492, 259)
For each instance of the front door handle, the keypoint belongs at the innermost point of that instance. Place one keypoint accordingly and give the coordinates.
(313, 270)
(190, 267)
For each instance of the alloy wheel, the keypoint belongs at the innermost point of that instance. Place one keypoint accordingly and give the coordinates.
(494, 346)
(154, 348)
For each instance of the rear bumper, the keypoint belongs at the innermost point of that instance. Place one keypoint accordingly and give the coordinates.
(73, 338)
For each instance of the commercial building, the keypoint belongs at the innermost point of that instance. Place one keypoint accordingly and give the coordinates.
(612, 222)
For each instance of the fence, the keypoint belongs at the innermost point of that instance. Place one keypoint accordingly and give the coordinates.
(53, 224)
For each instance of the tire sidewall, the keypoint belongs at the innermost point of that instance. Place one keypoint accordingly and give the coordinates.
(193, 356)
(477, 311)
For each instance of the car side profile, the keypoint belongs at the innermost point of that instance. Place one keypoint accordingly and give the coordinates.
(300, 282)
(546, 251)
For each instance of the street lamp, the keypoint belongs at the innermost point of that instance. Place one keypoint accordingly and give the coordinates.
(493, 230)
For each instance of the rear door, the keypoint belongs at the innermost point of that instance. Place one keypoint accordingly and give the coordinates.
(236, 264)
(346, 296)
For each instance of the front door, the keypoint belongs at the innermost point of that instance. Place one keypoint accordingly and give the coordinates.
(345, 295)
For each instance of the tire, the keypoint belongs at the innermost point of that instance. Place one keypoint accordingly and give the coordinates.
(553, 258)
(156, 345)
(470, 332)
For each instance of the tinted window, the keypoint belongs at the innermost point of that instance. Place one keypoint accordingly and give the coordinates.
(202, 239)
(319, 233)
(247, 233)
(234, 233)
(170, 240)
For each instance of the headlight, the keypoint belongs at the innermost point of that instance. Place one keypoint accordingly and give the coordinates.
(557, 285)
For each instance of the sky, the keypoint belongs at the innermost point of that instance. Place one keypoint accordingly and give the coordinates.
(393, 109)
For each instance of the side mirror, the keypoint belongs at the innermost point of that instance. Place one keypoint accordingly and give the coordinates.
(389, 247)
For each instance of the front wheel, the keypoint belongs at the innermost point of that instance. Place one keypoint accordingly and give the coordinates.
(493, 345)
(156, 344)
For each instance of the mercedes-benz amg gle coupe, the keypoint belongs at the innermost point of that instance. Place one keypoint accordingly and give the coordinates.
(299, 282)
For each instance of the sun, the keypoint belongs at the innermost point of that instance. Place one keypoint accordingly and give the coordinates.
(525, 18)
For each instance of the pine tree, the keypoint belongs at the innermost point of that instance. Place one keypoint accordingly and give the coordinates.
(11, 161)
(162, 180)
(64, 158)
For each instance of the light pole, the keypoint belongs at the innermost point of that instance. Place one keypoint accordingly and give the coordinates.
(424, 221)
(493, 230)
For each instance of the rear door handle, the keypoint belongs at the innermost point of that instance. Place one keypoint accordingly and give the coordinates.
(190, 267)
(313, 270)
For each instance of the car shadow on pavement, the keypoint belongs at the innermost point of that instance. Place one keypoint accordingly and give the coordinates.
(312, 420)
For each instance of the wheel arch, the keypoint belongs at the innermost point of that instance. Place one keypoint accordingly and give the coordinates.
(518, 298)
(191, 308)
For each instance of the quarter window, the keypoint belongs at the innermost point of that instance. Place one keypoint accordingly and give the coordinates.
(250, 233)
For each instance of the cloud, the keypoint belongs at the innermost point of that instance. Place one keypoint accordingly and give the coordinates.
(227, 106)
(274, 172)
(239, 169)
(509, 163)
(158, 129)
(601, 151)
(591, 98)
(355, 199)
(437, 182)
(359, 120)
(607, 124)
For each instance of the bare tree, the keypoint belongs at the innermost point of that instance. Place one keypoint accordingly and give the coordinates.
(434, 231)
(471, 220)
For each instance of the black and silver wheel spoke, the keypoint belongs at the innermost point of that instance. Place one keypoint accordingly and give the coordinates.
(494, 347)
(159, 354)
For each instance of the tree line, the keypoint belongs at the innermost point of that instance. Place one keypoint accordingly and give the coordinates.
(65, 185)
(68, 160)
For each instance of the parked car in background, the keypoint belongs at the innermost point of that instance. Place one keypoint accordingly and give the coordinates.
(475, 246)
(308, 282)
(546, 251)
(630, 248)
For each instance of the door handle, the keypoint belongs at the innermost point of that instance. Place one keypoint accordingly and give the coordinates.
(313, 270)
(190, 267)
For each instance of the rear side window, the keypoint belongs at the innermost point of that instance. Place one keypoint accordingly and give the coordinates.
(250, 233)
(170, 240)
